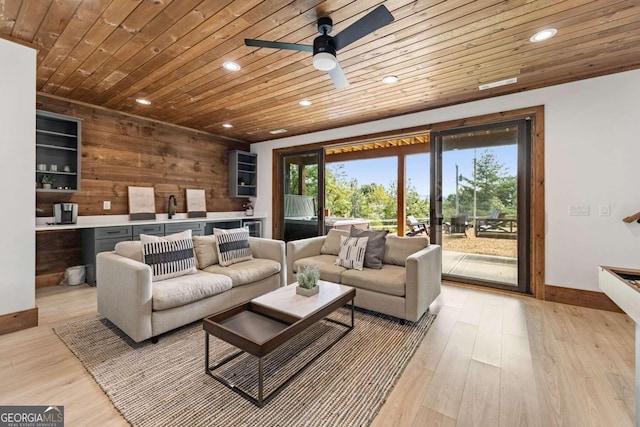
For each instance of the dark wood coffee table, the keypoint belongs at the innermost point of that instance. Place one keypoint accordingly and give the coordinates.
(263, 324)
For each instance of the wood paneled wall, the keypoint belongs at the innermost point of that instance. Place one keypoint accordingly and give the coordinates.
(120, 150)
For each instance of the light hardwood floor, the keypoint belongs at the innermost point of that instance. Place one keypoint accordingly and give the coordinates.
(488, 360)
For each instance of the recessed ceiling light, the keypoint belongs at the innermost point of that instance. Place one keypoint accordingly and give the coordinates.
(543, 35)
(227, 125)
(277, 131)
(143, 101)
(305, 102)
(498, 83)
(390, 79)
(231, 66)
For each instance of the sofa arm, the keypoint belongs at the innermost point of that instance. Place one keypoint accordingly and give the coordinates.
(298, 249)
(124, 294)
(423, 280)
(270, 249)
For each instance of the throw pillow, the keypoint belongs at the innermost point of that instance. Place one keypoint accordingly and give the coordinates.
(206, 252)
(331, 245)
(375, 246)
(232, 245)
(132, 250)
(169, 256)
(352, 251)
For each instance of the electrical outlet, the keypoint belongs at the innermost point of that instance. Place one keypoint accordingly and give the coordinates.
(605, 210)
(578, 210)
(106, 205)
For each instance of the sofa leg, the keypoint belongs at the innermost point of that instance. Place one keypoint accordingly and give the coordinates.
(154, 340)
(403, 322)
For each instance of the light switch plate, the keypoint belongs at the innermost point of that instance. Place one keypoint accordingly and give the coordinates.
(106, 205)
(578, 210)
(605, 210)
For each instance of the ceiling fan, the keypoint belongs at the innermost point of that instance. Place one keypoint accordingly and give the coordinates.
(325, 46)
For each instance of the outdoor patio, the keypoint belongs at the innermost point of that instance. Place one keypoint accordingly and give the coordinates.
(485, 258)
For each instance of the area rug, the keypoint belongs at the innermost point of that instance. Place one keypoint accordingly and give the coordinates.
(166, 383)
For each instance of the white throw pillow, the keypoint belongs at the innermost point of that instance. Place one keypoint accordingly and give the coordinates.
(232, 245)
(352, 250)
(169, 256)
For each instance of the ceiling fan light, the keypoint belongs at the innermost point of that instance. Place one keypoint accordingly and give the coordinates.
(324, 61)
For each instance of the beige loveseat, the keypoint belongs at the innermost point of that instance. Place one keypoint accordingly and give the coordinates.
(144, 309)
(408, 282)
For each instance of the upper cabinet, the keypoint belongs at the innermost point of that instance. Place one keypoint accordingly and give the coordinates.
(243, 174)
(58, 145)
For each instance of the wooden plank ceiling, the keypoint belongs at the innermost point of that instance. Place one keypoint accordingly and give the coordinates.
(110, 52)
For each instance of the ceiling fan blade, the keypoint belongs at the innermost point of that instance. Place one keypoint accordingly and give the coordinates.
(376, 19)
(278, 45)
(338, 77)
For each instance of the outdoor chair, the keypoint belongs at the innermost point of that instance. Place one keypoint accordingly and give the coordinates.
(457, 225)
(416, 226)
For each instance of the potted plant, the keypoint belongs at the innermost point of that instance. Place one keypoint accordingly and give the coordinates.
(47, 180)
(308, 281)
(248, 208)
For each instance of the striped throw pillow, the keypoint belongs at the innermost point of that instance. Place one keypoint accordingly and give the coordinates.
(232, 245)
(352, 250)
(169, 256)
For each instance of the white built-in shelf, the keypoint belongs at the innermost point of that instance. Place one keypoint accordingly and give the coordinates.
(56, 147)
(48, 132)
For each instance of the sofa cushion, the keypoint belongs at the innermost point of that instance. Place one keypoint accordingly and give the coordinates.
(374, 254)
(325, 263)
(247, 272)
(352, 250)
(179, 291)
(331, 245)
(397, 249)
(232, 245)
(206, 252)
(390, 279)
(132, 250)
(169, 256)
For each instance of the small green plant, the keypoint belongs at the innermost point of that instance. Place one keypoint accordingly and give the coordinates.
(308, 277)
(47, 179)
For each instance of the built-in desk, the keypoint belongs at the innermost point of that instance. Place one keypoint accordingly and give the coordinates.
(622, 285)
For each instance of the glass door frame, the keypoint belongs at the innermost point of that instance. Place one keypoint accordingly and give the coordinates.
(524, 127)
(279, 221)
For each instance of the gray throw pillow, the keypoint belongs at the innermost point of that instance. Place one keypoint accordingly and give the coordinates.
(375, 246)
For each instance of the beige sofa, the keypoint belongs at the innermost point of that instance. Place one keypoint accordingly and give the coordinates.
(144, 309)
(408, 282)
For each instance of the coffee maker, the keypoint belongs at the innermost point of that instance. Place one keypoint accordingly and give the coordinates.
(65, 213)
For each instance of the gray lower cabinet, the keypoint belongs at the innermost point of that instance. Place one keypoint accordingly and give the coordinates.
(102, 239)
(197, 228)
(150, 229)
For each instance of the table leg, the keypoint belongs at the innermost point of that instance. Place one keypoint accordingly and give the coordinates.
(352, 310)
(260, 382)
(206, 352)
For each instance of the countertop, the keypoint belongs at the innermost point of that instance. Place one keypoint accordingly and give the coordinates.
(45, 223)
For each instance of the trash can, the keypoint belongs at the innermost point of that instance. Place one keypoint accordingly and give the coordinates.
(74, 276)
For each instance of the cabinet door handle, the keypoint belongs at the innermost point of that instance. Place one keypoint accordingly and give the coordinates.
(113, 232)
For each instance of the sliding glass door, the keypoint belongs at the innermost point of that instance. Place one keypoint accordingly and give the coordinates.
(302, 195)
(480, 202)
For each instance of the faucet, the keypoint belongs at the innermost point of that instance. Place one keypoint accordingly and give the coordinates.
(171, 208)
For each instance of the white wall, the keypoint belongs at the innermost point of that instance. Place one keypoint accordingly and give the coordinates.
(592, 150)
(18, 158)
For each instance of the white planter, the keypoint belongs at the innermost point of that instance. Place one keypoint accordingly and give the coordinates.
(46, 186)
(307, 292)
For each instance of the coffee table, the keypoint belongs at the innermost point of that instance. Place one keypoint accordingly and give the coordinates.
(263, 324)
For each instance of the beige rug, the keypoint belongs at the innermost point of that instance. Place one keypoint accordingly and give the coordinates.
(166, 384)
